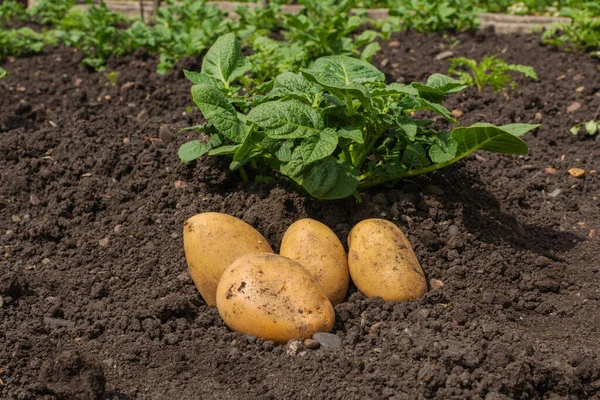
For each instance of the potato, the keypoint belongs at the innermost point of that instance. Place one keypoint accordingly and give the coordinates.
(212, 241)
(382, 262)
(318, 249)
(272, 297)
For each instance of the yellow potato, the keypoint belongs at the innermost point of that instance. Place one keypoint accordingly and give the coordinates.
(212, 241)
(274, 298)
(318, 249)
(382, 262)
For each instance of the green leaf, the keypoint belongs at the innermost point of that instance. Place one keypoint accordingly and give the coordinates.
(224, 60)
(518, 129)
(439, 109)
(319, 146)
(331, 179)
(524, 69)
(409, 126)
(295, 86)
(199, 78)
(245, 147)
(443, 149)
(193, 150)
(415, 156)
(431, 94)
(369, 51)
(355, 90)
(293, 168)
(3, 73)
(282, 149)
(218, 111)
(286, 119)
(488, 138)
(446, 84)
(340, 71)
(224, 150)
(575, 129)
(395, 89)
(355, 135)
(591, 127)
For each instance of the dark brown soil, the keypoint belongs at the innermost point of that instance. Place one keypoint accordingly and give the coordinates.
(98, 302)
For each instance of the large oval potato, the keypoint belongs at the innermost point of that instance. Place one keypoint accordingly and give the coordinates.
(212, 241)
(318, 249)
(274, 298)
(382, 262)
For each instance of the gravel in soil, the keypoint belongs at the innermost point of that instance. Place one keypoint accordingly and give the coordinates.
(98, 303)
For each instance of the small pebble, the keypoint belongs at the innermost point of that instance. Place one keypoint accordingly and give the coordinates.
(453, 230)
(103, 242)
(577, 172)
(573, 107)
(457, 113)
(9, 233)
(555, 193)
(592, 234)
(46, 261)
(165, 134)
(34, 200)
(394, 44)
(436, 284)
(311, 344)
(328, 340)
(538, 116)
(174, 235)
(142, 116)
(15, 218)
(550, 170)
(444, 54)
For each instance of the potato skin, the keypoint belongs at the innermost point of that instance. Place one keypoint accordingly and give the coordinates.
(212, 241)
(382, 262)
(272, 297)
(318, 249)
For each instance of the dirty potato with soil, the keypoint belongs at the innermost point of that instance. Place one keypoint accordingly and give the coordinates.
(382, 262)
(318, 249)
(212, 241)
(273, 297)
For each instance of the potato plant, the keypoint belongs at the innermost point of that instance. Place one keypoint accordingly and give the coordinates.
(491, 71)
(334, 128)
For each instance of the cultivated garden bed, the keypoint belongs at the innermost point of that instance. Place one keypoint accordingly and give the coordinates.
(98, 302)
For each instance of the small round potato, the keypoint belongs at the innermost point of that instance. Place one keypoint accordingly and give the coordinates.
(274, 298)
(382, 262)
(212, 241)
(318, 249)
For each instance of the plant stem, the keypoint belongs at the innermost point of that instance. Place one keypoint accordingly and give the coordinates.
(243, 174)
(400, 175)
(346, 152)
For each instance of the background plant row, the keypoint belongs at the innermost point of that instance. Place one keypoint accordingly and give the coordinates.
(323, 27)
